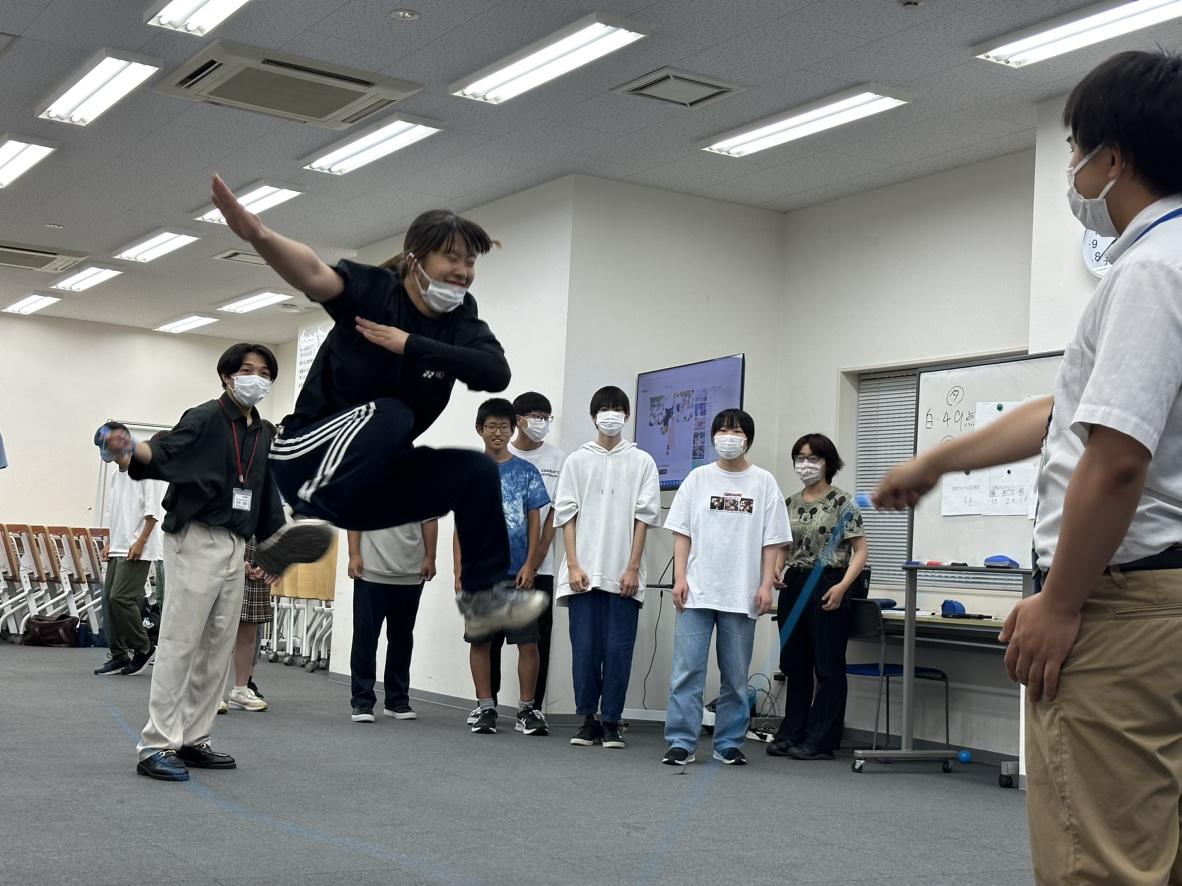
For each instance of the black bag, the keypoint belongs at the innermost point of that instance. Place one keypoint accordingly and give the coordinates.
(51, 630)
(151, 619)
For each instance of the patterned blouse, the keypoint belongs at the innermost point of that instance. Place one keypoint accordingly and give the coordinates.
(813, 524)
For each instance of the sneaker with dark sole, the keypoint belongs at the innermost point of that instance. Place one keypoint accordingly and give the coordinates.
(590, 733)
(163, 766)
(530, 722)
(362, 715)
(250, 685)
(731, 757)
(503, 607)
(612, 736)
(300, 541)
(139, 662)
(401, 712)
(678, 757)
(112, 666)
(486, 723)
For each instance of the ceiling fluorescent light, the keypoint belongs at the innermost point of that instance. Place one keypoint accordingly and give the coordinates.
(156, 245)
(90, 276)
(31, 304)
(18, 156)
(389, 136)
(836, 110)
(583, 42)
(196, 17)
(1069, 33)
(254, 302)
(185, 324)
(256, 198)
(107, 78)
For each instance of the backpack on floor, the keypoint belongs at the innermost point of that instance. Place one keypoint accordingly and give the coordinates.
(50, 630)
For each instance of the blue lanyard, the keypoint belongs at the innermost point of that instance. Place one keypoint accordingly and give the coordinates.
(1177, 213)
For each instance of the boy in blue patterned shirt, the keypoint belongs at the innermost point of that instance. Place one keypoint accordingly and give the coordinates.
(523, 495)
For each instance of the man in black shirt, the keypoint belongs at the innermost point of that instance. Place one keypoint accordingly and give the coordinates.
(221, 492)
(403, 335)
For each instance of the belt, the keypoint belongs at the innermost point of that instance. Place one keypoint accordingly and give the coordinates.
(1170, 558)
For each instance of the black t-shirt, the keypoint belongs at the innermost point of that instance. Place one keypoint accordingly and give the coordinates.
(348, 370)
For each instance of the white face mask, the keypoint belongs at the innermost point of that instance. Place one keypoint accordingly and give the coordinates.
(730, 445)
(1092, 212)
(536, 429)
(250, 389)
(443, 298)
(610, 423)
(808, 473)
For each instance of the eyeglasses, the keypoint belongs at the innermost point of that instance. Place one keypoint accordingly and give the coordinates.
(533, 416)
(809, 460)
(498, 429)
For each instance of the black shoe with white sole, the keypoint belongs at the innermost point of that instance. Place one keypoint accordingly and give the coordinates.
(401, 712)
(362, 715)
(503, 607)
(300, 541)
(677, 757)
(486, 723)
(731, 757)
(112, 666)
(590, 733)
(612, 736)
(139, 662)
(531, 722)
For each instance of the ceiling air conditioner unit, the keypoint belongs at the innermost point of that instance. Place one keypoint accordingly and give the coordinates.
(282, 85)
(37, 258)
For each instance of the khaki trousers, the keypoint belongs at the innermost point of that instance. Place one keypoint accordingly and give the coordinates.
(197, 629)
(1104, 759)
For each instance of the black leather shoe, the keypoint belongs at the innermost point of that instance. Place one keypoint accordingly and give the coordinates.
(203, 756)
(781, 747)
(163, 766)
(804, 752)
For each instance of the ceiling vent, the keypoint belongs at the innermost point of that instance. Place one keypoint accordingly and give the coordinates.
(241, 256)
(37, 258)
(283, 85)
(679, 88)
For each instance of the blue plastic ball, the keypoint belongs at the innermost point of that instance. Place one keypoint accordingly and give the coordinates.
(965, 756)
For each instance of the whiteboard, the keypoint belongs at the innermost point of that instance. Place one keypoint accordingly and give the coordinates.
(947, 406)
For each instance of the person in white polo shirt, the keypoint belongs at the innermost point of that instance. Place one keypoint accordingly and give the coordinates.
(1097, 648)
(134, 514)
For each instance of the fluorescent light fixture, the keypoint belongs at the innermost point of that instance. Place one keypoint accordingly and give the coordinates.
(1069, 33)
(254, 302)
(836, 110)
(88, 277)
(196, 17)
(156, 245)
(257, 198)
(105, 80)
(583, 42)
(18, 155)
(391, 135)
(186, 324)
(31, 304)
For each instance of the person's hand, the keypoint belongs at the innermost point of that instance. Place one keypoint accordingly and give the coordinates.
(578, 579)
(256, 573)
(103, 555)
(629, 582)
(267, 578)
(391, 338)
(136, 551)
(905, 485)
(525, 577)
(427, 570)
(355, 565)
(459, 588)
(239, 219)
(763, 599)
(680, 594)
(1040, 636)
(114, 445)
(832, 598)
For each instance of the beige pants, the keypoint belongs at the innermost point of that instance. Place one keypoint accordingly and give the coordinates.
(1104, 759)
(197, 629)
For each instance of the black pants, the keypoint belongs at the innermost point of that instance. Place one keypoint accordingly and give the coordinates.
(397, 606)
(814, 712)
(545, 627)
(358, 470)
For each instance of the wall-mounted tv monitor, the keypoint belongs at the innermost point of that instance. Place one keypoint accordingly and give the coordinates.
(674, 409)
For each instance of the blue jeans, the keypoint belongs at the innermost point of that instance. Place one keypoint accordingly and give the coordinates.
(691, 652)
(602, 637)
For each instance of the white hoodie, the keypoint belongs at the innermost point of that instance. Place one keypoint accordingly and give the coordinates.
(608, 490)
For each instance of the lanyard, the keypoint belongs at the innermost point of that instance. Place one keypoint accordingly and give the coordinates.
(238, 450)
(1177, 213)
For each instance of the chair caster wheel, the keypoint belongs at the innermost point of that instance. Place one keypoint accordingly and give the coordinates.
(1005, 781)
(857, 765)
(273, 657)
(946, 766)
(310, 667)
(288, 660)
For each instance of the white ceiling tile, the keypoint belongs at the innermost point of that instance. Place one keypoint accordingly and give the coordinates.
(936, 136)
(115, 24)
(691, 19)
(874, 19)
(271, 23)
(16, 17)
(616, 113)
(807, 173)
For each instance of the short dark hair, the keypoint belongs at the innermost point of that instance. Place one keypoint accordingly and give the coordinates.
(436, 229)
(822, 447)
(231, 361)
(610, 397)
(531, 401)
(734, 418)
(1131, 102)
(497, 407)
(115, 426)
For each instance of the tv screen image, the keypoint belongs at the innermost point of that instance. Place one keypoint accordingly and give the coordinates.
(674, 409)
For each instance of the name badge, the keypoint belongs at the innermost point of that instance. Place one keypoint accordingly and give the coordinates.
(241, 501)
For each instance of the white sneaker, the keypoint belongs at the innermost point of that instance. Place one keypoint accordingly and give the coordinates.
(244, 699)
(223, 708)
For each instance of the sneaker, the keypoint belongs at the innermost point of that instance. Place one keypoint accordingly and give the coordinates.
(677, 757)
(531, 722)
(243, 699)
(731, 757)
(590, 733)
(804, 752)
(781, 747)
(486, 723)
(301, 541)
(473, 716)
(401, 712)
(112, 666)
(612, 736)
(362, 715)
(250, 685)
(138, 663)
(500, 608)
(223, 708)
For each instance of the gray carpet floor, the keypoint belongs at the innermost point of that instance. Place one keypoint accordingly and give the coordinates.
(318, 799)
